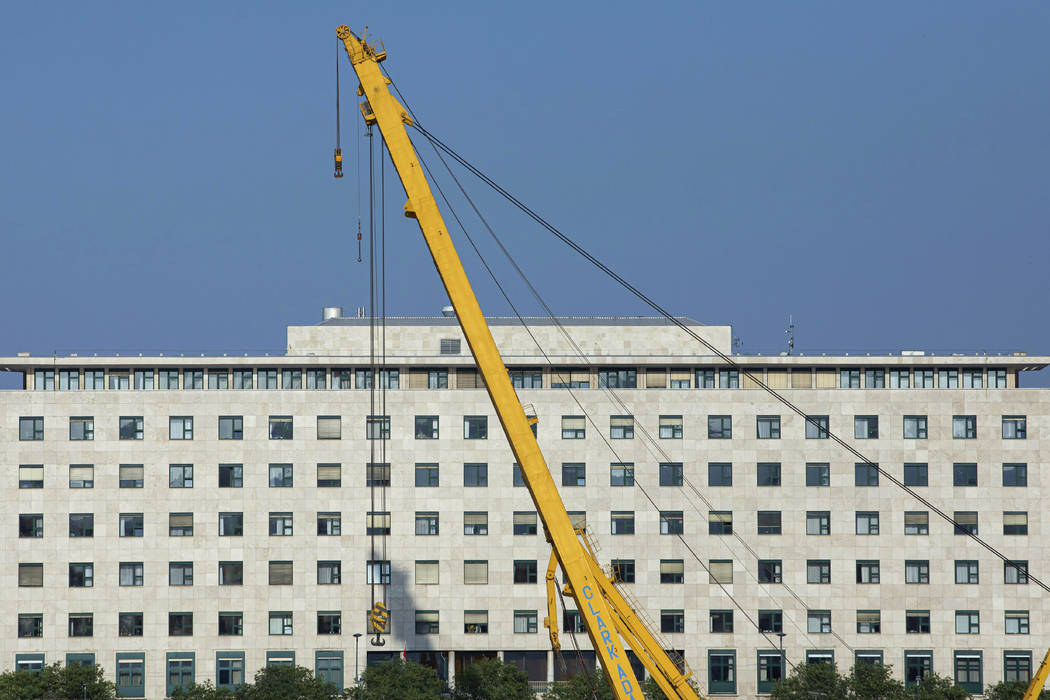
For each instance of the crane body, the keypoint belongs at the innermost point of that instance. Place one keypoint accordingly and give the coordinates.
(606, 615)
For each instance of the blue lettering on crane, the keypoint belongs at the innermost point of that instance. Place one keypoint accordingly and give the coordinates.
(610, 646)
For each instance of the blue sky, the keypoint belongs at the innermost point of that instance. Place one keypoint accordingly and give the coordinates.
(877, 170)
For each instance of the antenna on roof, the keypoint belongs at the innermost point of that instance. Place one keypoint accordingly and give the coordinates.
(790, 334)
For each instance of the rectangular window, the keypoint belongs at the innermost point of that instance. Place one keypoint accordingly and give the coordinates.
(426, 475)
(769, 522)
(770, 670)
(867, 522)
(475, 622)
(280, 623)
(180, 573)
(655, 378)
(291, 378)
(1015, 427)
(280, 524)
(720, 522)
(671, 522)
(916, 474)
(524, 571)
(671, 474)
(1017, 666)
(573, 427)
(967, 622)
(525, 523)
(427, 622)
(377, 475)
(769, 473)
(329, 573)
(964, 474)
(916, 523)
(816, 427)
(342, 379)
(30, 575)
(31, 428)
(231, 427)
(818, 622)
(621, 427)
(917, 666)
(316, 379)
(875, 378)
(1015, 572)
(917, 571)
(218, 379)
(475, 475)
(722, 621)
(973, 379)
(964, 427)
(917, 622)
(280, 573)
(948, 378)
(568, 378)
(280, 476)
(192, 379)
(869, 622)
(118, 379)
(426, 427)
(81, 625)
(81, 575)
(818, 571)
(427, 523)
(95, 379)
(81, 524)
(377, 523)
(818, 474)
(1015, 474)
(721, 570)
(770, 571)
(81, 476)
(329, 622)
(168, 379)
(281, 427)
(672, 571)
(180, 624)
(243, 379)
(771, 621)
(377, 571)
(573, 475)
(329, 524)
(427, 573)
(69, 379)
(623, 570)
(849, 379)
(526, 378)
(617, 379)
(672, 621)
(525, 622)
(720, 427)
(721, 665)
(231, 624)
(768, 427)
(670, 427)
(130, 525)
(31, 525)
(915, 427)
(867, 572)
(475, 523)
(966, 571)
(866, 475)
(130, 427)
(621, 474)
(180, 476)
(180, 524)
(475, 427)
(818, 522)
(719, 474)
(622, 522)
(965, 522)
(968, 674)
(180, 428)
(728, 379)
(866, 427)
(997, 379)
(80, 428)
(30, 625)
(329, 475)
(705, 379)
(231, 524)
(229, 669)
(1016, 622)
(231, 476)
(231, 573)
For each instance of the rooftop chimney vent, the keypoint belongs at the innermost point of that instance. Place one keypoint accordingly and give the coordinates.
(448, 312)
(330, 312)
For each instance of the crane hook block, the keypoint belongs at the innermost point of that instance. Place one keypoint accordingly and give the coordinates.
(338, 162)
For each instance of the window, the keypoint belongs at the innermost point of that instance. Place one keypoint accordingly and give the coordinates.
(81, 625)
(192, 379)
(818, 522)
(526, 378)
(31, 476)
(875, 378)
(231, 427)
(31, 525)
(426, 475)
(475, 475)
(180, 624)
(728, 379)
(80, 428)
(568, 378)
(705, 379)
(32, 428)
(849, 379)
(130, 525)
(95, 379)
(966, 571)
(869, 622)
(719, 474)
(69, 379)
(917, 666)
(770, 670)
(329, 622)
(617, 379)
(964, 427)
(964, 474)
(427, 622)
(769, 427)
(816, 427)
(1015, 427)
(916, 475)
(30, 575)
(917, 571)
(180, 573)
(280, 573)
(316, 379)
(280, 524)
(917, 622)
(329, 475)
(131, 476)
(670, 427)
(475, 621)
(722, 621)
(965, 522)
(623, 570)
(769, 522)
(377, 571)
(80, 524)
(621, 427)
(280, 623)
(291, 379)
(475, 523)
(1016, 622)
(866, 475)
(672, 571)
(672, 621)
(130, 427)
(242, 379)
(426, 427)
(671, 474)
(231, 573)
(1015, 572)
(1014, 523)
(44, 380)
(1017, 666)
(720, 427)
(1015, 474)
(721, 665)
(866, 427)
(218, 379)
(427, 573)
(180, 524)
(525, 523)
(426, 523)
(622, 522)
(377, 523)
(449, 346)
(329, 573)
(621, 474)
(867, 572)
(180, 671)
(388, 379)
(437, 378)
(280, 427)
(525, 622)
(231, 476)
(818, 621)
(973, 379)
(573, 427)
(524, 571)
(770, 621)
(997, 379)
(818, 474)
(329, 524)
(867, 522)
(671, 522)
(475, 427)
(30, 625)
(968, 673)
(81, 575)
(81, 476)
(180, 428)
(916, 523)
(720, 522)
(231, 524)
(180, 476)
(915, 427)
(377, 475)
(573, 475)
(770, 571)
(769, 473)
(819, 571)
(967, 622)
(720, 570)
(229, 669)
(280, 476)
(948, 378)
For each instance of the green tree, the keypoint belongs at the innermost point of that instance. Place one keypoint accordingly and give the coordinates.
(1014, 690)
(201, 691)
(651, 689)
(811, 680)
(57, 682)
(398, 680)
(492, 679)
(874, 682)
(21, 685)
(937, 688)
(582, 686)
(287, 683)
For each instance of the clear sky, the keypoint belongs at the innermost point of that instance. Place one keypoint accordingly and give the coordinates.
(877, 170)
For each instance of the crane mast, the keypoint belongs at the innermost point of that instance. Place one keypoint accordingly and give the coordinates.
(604, 616)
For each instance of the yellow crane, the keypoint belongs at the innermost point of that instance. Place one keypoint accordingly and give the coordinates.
(607, 616)
(1038, 680)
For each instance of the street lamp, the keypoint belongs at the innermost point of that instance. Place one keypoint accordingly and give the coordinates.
(783, 660)
(357, 641)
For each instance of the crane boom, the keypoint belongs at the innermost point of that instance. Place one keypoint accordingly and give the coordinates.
(583, 576)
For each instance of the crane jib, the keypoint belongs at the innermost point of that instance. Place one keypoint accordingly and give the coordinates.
(610, 646)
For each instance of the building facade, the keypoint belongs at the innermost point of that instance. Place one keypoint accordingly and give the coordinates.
(180, 519)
